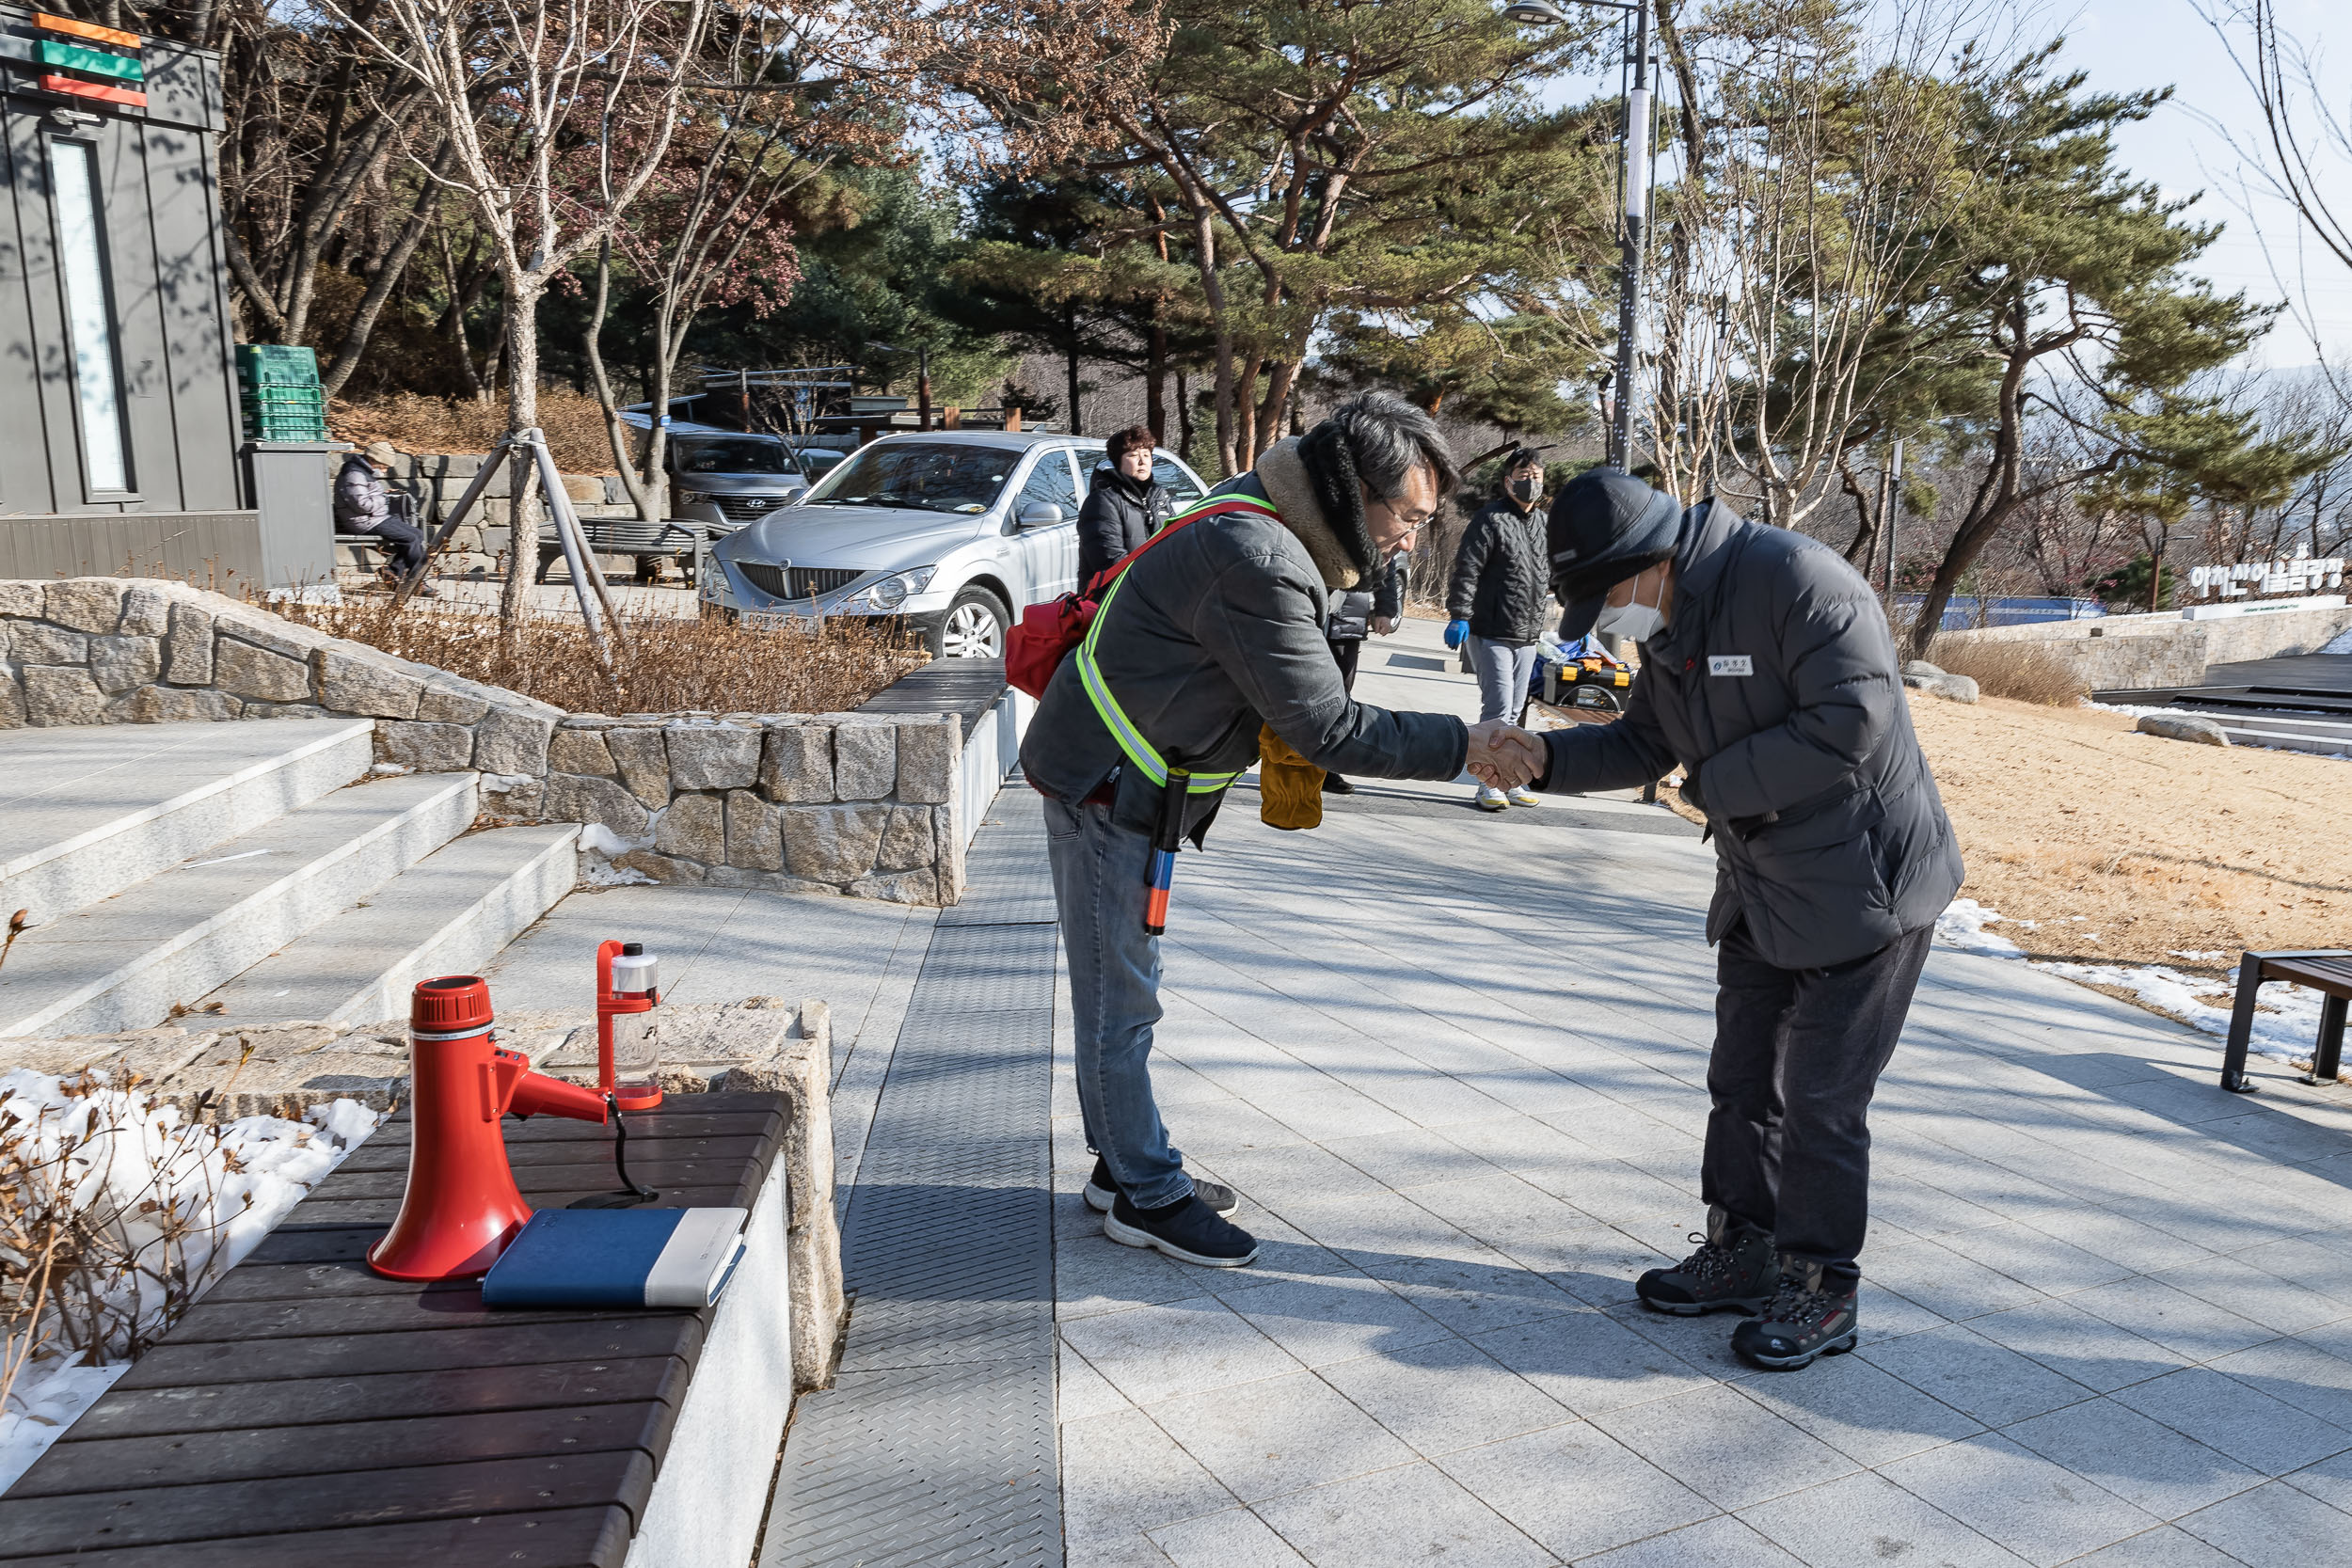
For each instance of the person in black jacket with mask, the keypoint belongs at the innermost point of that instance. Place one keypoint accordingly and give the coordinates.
(1123, 506)
(1499, 598)
(1769, 676)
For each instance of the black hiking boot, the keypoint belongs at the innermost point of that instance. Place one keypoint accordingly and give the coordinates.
(1102, 1188)
(1810, 1315)
(1334, 785)
(1187, 1231)
(1735, 1266)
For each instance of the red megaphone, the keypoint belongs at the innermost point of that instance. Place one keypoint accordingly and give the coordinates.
(461, 1207)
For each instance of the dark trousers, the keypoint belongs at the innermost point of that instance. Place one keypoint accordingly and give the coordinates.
(1797, 1054)
(405, 544)
(1346, 656)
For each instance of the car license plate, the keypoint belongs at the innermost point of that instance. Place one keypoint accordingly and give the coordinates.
(777, 619)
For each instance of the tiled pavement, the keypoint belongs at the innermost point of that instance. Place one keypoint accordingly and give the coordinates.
(1455, 1066)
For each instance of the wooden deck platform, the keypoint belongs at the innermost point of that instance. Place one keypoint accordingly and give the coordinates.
(306, 1412)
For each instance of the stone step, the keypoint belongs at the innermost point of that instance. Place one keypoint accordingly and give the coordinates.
(450, 914)
(123, 963)
(86, 811)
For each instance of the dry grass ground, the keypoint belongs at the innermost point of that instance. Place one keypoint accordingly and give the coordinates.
(2124, 848)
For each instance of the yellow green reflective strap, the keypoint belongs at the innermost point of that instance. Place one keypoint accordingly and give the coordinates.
(1131, 742)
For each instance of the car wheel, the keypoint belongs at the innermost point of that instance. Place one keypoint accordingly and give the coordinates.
(974, 626)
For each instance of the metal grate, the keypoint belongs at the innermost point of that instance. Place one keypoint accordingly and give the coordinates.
(797, 582)
(747, 509)
(937, 1445)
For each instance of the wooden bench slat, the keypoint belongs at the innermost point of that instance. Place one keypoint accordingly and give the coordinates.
(566, 1538)
(393, 1155)
(261, 1453)
(698, 1116)
(225, 1323)
(160, 1515)
(651, 1166)
(2330, 975)
(171, 1365)
(383, 1210)
(295, 1403)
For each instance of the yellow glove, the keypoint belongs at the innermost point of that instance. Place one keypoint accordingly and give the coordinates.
(1290, 788)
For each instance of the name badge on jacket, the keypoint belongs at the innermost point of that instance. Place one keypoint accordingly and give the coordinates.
(1730, 664)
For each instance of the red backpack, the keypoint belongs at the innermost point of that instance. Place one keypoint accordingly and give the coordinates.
(1045, 633)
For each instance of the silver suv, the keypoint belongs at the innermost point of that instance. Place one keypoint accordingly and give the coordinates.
(952, 532)
(724, 478)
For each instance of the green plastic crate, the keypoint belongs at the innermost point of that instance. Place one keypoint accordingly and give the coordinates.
(282, 398)
(276, 365)
(281, 428)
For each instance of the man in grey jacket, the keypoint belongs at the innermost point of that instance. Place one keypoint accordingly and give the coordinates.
(1210, 636)
(1769, 676)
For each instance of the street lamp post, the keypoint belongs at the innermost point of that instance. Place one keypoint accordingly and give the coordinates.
(1544, 13)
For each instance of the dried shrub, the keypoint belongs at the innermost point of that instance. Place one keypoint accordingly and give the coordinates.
(108, 1219)
(2027, 671)
(574, 424)
(661, 664)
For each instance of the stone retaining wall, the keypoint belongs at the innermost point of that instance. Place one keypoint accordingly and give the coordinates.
(864, 804)
(2141, 653)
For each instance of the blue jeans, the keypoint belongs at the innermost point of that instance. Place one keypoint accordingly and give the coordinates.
(1113, 996)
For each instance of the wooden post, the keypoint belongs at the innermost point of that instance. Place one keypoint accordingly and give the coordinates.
(951, 417)
(1012, 422)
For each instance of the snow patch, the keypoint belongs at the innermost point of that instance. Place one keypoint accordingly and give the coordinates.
(1962, 926)
(2287, 1030)
(2340, 643)
(116, 1152)
(599, 846)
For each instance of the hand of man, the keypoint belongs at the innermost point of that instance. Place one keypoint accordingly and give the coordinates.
(1504, 756)
(1384, 623)
(1456, 633)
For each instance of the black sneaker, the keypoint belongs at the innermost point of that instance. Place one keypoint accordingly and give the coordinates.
(1808, 1316)
(1334, 785)
(1187, 1231)
(1735, 1266)
(1102, 1190)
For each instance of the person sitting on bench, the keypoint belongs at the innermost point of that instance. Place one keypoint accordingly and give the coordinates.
(365, 504)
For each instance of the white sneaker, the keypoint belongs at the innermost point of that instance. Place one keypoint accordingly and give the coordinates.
(1522, 797)
(1492, 798)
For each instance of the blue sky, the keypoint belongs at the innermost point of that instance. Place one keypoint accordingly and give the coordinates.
(2127, 44)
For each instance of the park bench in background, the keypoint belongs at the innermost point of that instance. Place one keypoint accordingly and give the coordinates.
(307, 1411)
(648, 544)
(2326, 971)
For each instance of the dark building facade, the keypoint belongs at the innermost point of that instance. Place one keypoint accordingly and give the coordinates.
(119, 417)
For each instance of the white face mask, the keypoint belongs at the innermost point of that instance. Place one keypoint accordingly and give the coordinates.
(1634, 619)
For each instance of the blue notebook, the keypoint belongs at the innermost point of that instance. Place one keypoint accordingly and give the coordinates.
(618, 1257)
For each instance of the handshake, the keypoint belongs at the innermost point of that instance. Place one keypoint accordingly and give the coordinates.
(1505, 756)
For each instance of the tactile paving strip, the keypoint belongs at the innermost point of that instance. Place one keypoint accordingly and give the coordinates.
(937, 1446)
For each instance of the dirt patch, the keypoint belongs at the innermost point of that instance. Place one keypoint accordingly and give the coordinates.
(2126, 849)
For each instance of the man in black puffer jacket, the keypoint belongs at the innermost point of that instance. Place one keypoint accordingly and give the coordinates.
(1498, 597)
(1769, 676)
(1123, 507)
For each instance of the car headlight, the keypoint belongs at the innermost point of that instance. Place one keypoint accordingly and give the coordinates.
(692, 498)
(894, 591)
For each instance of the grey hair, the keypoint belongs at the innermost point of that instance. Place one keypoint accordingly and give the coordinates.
(1388, 437)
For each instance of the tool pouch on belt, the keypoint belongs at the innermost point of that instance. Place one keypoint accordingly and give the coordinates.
(1290, 788)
